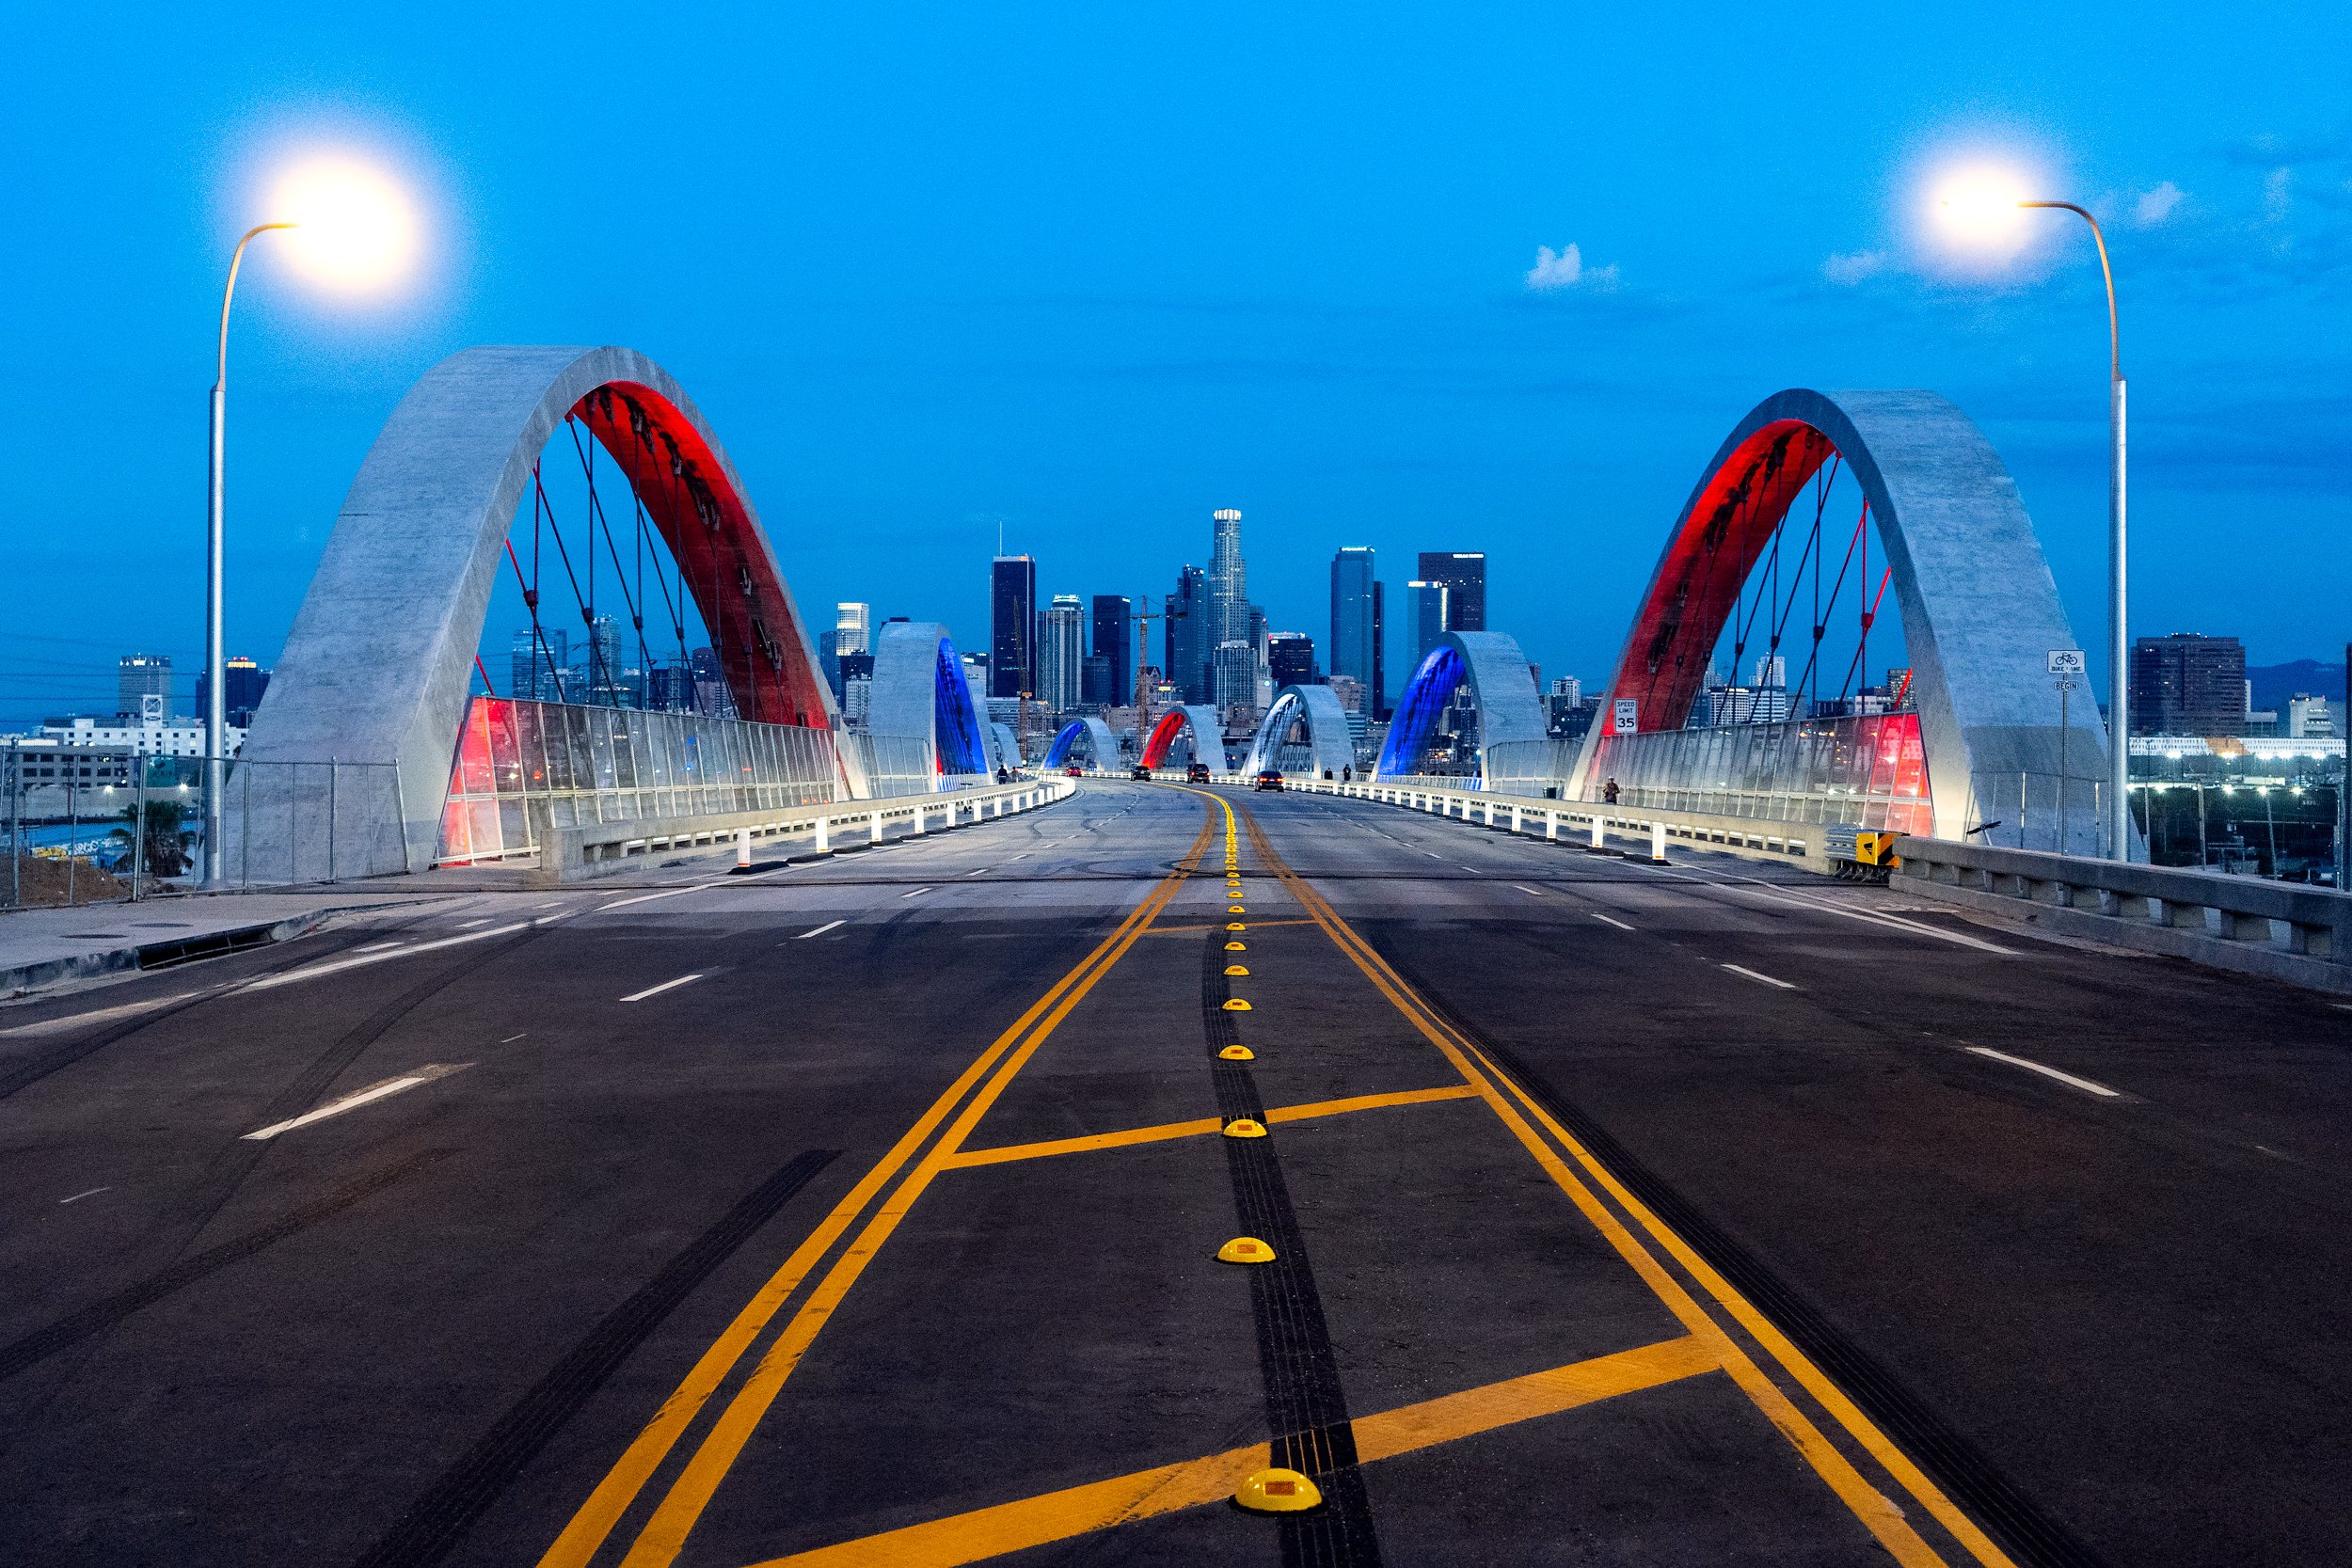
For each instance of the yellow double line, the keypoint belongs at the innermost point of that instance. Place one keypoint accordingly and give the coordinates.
(1515, 1107)
(665, 1534)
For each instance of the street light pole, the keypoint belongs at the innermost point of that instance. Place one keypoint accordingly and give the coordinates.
(216, 653)
(2119, 649)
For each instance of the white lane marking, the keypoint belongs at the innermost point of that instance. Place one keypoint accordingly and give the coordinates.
(657, 991)
(379, 946)
(912, 892)
(78, 1196)
(2083, 1083)
(339, 965)
(1753, 975)
(820, 930)
(465, 925)
(982, 871)
(549, 905)
(1787, 896)
(123, 1009)
(1472, 869)
(358, 1097)
(1605, 921)
(1531, 892)
(1433, 854)
(512, 1039)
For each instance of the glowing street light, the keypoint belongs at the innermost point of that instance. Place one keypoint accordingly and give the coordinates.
(1987, 208)
(357, 231)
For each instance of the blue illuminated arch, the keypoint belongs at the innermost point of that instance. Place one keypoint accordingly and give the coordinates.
(920, 690)
(1490, 663)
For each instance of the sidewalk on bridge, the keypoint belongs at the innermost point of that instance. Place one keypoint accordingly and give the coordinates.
(42, 949)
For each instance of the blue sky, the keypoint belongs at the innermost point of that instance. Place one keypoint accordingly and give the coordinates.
(1093, 272)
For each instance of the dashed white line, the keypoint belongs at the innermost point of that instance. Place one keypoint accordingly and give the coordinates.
(1605, 921)
(912, 892)
(1765, 978)
(2067, 1077)
(1531, 892)
(352, 1101)
(820, 930)
(657, 991)
(469, 924)
(339, 965)
(980, 871)
(78, 1196)
(375, 947)
(512, 1039)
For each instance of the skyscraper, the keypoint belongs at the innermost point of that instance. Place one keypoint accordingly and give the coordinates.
(1190, 637)
(1376, 700)
(246, 681)
(1061, 654)
(2188, 684)
(1229, 580)
(1427, 614)
(1290, 658)
(1354, 648)
(1011, 625)
(138, 675)
(1464, 573)
(1234, 677)
(1114, 639)
(852, 626)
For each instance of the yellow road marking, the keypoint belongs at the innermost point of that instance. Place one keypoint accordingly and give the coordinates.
(665, 1535)
(585, 1533)
(1180, 931)
(1082, 1510)
(1872, 1508)
(1199, 1128)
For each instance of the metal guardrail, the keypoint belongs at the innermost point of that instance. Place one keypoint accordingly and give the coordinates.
(2303, 934)
(590, 849)
(1757, 838)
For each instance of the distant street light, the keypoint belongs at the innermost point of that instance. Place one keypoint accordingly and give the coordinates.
(358, 231)
(1981, 207)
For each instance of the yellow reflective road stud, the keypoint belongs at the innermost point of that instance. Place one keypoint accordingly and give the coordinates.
(1237, 947)
(1238, 1053)
(1236, 1006)
(1244, 1249)
(1236, 969)
(1236, 926)
(1278, 1491)
(1242, 1127)
(1236, 909)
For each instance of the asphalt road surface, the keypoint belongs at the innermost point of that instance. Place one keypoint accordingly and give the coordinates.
(867, 1211)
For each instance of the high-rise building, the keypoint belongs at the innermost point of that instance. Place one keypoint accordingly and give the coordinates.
(1464, 573)
(1348, 689)
(1190, 636)
(1427, 619)
(241, 691)
(2309, 718)
(1094, 682)
(1290, 658)
(1561, 702)
(1011, 625)
(852, 628)
(1229, 580)
(1061, 652)
(1376, 700)
(1114, 639)
(712, 694)
(138, 675)
(1234, 677)
(2188, 684)
(1354, 650)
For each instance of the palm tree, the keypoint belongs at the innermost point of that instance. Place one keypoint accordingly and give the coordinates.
(169, 836)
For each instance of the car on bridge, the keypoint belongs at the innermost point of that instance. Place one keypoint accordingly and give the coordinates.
(1268, 778)
(1075, 771)
(1141, 772)
(1196, 772)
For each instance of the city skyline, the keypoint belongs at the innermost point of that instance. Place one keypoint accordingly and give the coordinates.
(1453, 382)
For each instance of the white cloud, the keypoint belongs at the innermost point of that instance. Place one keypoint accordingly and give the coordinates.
(2153, 207)
(1847, 271)
(2277, 195)
(1565, 268)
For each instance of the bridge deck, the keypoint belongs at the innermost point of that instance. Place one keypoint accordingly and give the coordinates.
(865, 1211)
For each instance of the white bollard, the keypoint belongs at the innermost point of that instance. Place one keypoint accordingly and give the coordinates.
(823, 848)
(1551, 825)
(997, 807)
(874, 830)
(1595, 830)
(742, 848)
(920, 813)
(1658, 843)
(1490, 812)
(1514, 819)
